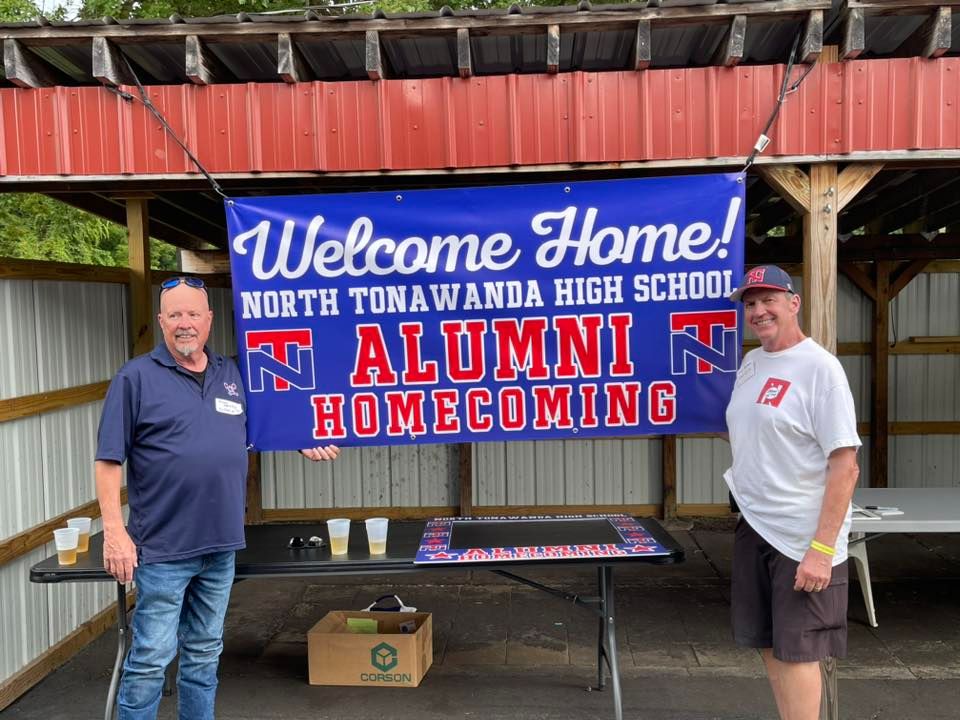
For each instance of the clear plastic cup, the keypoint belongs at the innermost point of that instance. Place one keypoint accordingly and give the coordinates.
(83, 525)
(339, 530)
(66, 540)
(377, 535)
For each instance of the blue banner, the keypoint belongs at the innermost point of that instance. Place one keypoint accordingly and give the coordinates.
(571, 310)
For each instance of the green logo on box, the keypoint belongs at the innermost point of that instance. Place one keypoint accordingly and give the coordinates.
(384, 657)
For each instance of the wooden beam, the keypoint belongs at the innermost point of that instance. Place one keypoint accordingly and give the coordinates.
(936, 266)
(704, 510)
(24, 68)
(280, 515)
(879, 377)
(933, 38)
(141, 300)
(904, 274)
(202, 66)
(44, 402)
(853, 178)
(916, 427)
(945, 246)
(221, 280)
(730, 51)
(54, 657)
(553, 48)
(859, 277)
(853, 35)
(109, 65)
(668, 466)
(12, 268)
(41, 534)
(812, 44)
(531, 24)
(254, 503)
(465, 473)
(643, 46)
(820, 257)
(291, 66)
(790, 182)
(201, 262)
(373, 61)
(464, 55)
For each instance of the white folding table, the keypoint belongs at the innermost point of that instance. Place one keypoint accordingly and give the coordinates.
(925, 510)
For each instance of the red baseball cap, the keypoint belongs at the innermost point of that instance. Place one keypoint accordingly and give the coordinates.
(770, 277)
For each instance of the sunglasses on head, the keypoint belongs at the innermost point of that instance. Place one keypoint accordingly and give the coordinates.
(185, 279)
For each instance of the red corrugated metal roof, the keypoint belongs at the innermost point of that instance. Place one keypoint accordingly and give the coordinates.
(871, 105)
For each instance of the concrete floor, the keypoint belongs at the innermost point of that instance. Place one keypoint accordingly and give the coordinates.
(502, 650)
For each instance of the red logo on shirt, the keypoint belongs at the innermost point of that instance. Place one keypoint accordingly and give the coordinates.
(773, 392)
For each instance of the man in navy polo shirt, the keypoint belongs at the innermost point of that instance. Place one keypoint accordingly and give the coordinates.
(177, 417)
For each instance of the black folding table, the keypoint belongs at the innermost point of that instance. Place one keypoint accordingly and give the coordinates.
(268, 555)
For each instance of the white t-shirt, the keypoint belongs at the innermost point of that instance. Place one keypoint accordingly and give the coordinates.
(789, 410)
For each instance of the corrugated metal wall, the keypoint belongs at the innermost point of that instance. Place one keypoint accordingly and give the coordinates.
(58, 335)
(567, 472)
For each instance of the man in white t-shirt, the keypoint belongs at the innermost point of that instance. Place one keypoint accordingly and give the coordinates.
(793, 432)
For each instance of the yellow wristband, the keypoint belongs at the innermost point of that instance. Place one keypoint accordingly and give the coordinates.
(825, 549)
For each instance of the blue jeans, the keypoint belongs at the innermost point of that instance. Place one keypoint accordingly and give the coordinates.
(180, 605)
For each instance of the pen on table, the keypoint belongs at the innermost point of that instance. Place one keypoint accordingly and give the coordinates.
(879, 507)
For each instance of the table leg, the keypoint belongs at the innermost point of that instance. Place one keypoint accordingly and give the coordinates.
(609, 620)
(601, 632)
(121, 651)
(857, 551)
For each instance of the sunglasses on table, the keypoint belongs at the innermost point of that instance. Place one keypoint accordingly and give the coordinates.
(193, 282)
(299, 542)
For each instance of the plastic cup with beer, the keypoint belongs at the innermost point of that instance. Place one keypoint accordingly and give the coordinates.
(339, 529)
(66, 540)
(83, 525)
(377, 535)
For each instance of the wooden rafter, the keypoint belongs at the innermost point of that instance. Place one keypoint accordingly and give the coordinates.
(853, 179)
(25, 69)
(730, 51)
(291, 65)
(853, 42)
(373, 60)
(202, 66)
(933, 38)
(553, 48)
(643, 46)
(109, 65)
(790, 182)
(464, 55)
(812, 43)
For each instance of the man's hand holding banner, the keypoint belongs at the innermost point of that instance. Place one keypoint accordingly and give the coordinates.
(503, 313)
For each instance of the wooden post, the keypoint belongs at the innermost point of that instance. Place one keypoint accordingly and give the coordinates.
(668, 465)
(254, 513)
(820, 257)
(138, 254)
(465, 472)
(879, 402)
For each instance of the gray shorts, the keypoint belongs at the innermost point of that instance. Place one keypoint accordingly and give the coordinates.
(768, 613)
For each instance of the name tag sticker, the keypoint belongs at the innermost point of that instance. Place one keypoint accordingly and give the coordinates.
(746, 371)
(228, 407)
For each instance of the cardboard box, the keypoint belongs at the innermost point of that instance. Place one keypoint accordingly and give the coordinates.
(392, 657)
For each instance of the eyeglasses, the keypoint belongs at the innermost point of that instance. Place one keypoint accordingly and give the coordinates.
(298, 542)
(193, 282)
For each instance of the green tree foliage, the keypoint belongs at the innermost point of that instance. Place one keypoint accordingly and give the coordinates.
(36, 227)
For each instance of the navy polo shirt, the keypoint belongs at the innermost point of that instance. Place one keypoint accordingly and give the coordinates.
(186, 454)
